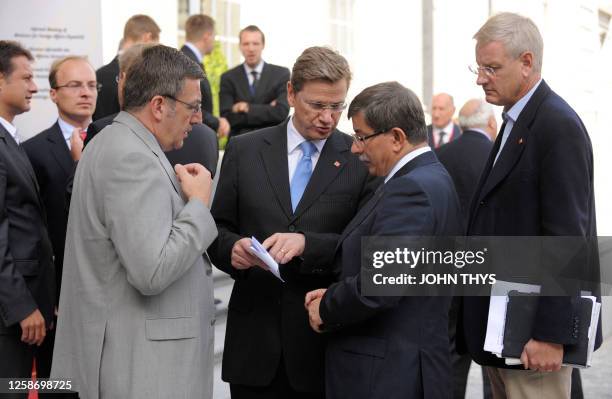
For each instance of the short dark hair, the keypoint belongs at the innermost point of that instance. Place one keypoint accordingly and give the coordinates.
(160, 70)
(139, 25)
(252, 28)
(9, 50)
(319, 63)
(198, 24)
(388, 105)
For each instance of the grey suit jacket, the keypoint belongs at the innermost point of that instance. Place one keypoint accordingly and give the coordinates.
(136, 308)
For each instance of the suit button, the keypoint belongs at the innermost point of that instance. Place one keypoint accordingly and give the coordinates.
(482, 203)
(208, 272)
(213, 321)
(291, 228)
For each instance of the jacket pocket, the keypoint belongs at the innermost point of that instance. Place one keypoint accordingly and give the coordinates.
(27, 267)
(171, 328)
(369, 346)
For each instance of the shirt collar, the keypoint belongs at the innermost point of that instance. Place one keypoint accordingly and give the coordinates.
(195, 50)
(9, 127)
(294, 139)
(514, 112)
(66, 128)
(448, 129)
(258, 68)
(405, 159)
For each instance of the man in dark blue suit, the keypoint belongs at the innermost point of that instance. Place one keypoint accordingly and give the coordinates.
(442, 129)
(389, 347)
(538, 181)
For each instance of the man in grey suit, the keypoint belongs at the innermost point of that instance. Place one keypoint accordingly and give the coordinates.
(136, 311)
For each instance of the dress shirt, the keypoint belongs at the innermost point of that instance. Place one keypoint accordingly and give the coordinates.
(10, 128)
(294, 152)
(67, 130)
(196, 51)
(405, 159)
(510, 116)
(258, 68)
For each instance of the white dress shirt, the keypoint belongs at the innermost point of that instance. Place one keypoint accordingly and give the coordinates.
(10, 128)
(448, 129)
(405, 159)
(258, 68)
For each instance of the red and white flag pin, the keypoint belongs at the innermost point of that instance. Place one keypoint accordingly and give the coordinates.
(337, 164)
(520, 141)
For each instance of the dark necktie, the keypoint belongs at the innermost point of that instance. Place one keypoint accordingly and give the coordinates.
(441, 138)
(253, 86)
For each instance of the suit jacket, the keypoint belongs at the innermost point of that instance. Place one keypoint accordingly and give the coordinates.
(377, 336)
(136, 310)
(454, 135)
(541, 185)
(207, 100)
(53, 164)
(465, 159)
(27, 274)
(266, 318)
(272, 86)
(200, 146)
(107, 102)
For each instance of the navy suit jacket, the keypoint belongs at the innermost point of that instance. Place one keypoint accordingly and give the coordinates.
(266, 318)
(53, 165)
(541, 185)
(392, 347)
(108, 101)
(207, 101)
(27, 275)
(455, 134)
(272, 86)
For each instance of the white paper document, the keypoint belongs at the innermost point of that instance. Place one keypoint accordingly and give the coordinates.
(258, 250)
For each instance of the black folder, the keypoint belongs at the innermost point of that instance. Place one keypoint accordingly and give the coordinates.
(520, 315)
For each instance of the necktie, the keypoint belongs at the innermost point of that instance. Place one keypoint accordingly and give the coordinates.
(253, 86)
(501, 137)
(441, 138)
(83, 134)
(302, 173)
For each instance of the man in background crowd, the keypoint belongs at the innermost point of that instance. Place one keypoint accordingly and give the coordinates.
(200, 41)
(138, 29)
(253, 94)
(442, 129)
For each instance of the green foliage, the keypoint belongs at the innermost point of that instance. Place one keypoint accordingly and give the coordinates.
(215, 64)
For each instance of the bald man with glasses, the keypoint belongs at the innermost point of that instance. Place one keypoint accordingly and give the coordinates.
(294, 187)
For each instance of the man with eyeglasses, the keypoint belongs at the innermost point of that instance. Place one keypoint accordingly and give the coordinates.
(418, 199)
(293, 187)
(537, 181)
(27, 276)
(136, 314)
(54, 151)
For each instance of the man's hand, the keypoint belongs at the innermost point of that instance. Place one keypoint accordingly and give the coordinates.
(542, 356)
(312, 303)
(195, 181)
(242, 258)
(76, 144)
(285, 246)
(224, 127)
(241, 106)
(33, 328)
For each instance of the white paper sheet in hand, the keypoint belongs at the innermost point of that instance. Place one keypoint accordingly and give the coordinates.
(258, 250)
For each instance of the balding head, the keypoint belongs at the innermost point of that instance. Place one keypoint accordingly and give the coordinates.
(442, 110)
(478, 114)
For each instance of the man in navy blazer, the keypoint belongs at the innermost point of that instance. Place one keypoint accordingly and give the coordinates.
(389, 347)
(442, 129)
(253, 95)
(538, 181)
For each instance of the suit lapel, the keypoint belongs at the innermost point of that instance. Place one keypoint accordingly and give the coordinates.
(150, 141)
(331, 162)
(515, 144)
(274, 158)
(59, 149)
(21, 157)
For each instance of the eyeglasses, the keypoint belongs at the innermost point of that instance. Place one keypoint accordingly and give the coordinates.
(360, 140)
(75, 86)
(488, 70)
(195, 108)
(319, 107)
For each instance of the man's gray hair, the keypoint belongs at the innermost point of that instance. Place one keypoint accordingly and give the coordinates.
(159, 71)
(517, 33)
(479, 118)
(388, 105)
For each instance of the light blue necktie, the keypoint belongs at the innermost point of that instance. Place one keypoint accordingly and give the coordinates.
(302, 173)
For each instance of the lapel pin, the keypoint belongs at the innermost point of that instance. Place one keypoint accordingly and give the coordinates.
(520, 141)
(337, 164)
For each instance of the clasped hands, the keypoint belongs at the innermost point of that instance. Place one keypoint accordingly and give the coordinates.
(282, 247)
(243, 107)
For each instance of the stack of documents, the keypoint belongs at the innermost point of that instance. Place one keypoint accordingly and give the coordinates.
(511, 314)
